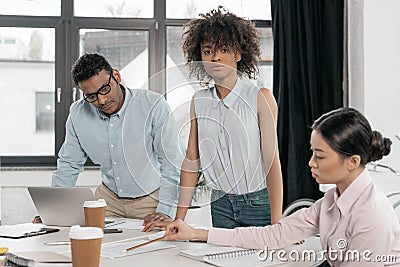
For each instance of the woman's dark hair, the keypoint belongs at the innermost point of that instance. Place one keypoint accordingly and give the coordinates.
(89, 65)
(349, 133)
(222, 28)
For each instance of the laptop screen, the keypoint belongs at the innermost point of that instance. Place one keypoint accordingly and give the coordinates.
(60, 206)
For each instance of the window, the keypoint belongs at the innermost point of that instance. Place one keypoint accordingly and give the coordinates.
(44, 112)
(114, 9)
(10, 41)
(41, 39)
(253, 9)
(31, 8)
(179, 88)
(27, 66)
(265, 67)
(127, 51)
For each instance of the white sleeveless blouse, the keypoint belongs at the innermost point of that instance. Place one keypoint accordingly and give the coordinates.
(229, 139)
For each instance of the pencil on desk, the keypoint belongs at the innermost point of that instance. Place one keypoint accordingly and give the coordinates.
(143, 244)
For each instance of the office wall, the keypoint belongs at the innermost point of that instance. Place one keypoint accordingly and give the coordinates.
(374, 67)
(382, 70)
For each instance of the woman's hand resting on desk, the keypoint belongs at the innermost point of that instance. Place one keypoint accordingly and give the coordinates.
(179, 230)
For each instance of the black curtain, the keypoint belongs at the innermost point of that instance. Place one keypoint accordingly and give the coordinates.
(308, 77)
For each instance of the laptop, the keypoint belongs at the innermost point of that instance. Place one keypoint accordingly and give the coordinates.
(60, 206)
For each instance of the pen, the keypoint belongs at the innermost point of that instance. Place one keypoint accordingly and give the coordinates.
(58, 243)
(35, 233)
(143, 244)
(114, 223)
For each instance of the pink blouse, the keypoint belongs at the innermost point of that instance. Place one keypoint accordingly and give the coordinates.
(361, 219)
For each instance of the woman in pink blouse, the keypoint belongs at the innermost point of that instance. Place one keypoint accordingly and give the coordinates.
(353, 216)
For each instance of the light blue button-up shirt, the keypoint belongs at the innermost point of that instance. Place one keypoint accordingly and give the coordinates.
(139, 149)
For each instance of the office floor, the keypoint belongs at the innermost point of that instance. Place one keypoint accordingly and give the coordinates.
(17, 206)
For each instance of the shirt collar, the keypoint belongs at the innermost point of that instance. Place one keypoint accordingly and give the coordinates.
(230, 99)
(128, 95)
(346, 201)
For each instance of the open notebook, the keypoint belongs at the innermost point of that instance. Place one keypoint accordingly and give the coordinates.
(228, 256)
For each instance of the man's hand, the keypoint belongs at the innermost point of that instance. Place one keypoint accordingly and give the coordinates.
(37, 219)
(151, 225)
(155, 217)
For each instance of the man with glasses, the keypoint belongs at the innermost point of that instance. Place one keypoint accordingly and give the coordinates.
(131, 134)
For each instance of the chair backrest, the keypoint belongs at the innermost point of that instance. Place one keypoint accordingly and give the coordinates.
(298, 204)
(394, 199)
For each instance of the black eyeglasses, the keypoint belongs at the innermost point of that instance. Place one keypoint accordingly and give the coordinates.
(102, 91)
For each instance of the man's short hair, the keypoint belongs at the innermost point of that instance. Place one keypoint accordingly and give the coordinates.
(88, 65)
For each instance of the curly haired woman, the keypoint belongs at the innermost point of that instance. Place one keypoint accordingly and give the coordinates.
(233, 125)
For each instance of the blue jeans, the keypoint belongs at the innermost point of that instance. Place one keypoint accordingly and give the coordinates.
(230, 210)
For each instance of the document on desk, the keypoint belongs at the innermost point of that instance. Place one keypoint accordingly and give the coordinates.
(25, 230)
(129, 224)
(115, 250)
(19, 229)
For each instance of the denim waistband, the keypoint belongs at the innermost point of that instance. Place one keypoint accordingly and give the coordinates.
(216, 194)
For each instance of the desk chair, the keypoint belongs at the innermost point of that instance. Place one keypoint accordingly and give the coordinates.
(297, 205)
(394, 198)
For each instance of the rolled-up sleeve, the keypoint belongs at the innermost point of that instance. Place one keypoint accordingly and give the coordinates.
(71, 159)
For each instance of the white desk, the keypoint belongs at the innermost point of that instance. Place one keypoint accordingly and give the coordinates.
(166, 257)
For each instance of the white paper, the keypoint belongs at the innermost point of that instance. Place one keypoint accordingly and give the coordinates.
(126, 224)
(116, 250)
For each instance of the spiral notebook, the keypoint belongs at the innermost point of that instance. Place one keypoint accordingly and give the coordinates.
(33, 258)
(228, 256)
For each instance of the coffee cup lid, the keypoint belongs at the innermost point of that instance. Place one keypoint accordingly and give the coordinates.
(95, 203)
(78, 232)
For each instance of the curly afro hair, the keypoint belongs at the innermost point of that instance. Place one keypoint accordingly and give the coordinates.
(222, 28)
(88, 65)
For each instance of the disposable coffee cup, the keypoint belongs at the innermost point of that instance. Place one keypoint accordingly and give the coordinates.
(95, 212)
(85, 246)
